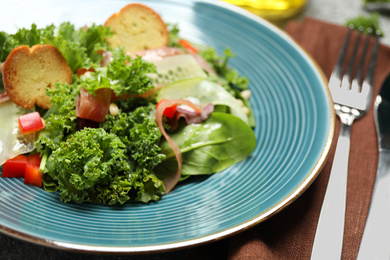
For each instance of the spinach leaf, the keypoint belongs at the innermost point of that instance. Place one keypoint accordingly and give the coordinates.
(209, 147)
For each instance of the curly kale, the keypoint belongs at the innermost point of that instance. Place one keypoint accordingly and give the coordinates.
(78, 46)
(140, 134)
(87, 163)
(112, 164)
(92, 165)
(124, 75)
(6, 45)
(60, 119)
(174, 38)
(81, 47)
(226, 74)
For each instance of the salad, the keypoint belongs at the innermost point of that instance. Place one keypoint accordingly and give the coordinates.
(131, 124)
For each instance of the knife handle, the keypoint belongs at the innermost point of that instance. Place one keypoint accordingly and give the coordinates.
(375, 243)
(328, 240)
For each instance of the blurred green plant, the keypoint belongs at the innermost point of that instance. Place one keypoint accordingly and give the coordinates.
(367, 22)
(376, 1)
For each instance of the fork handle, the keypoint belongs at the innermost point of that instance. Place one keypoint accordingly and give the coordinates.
(328, 240)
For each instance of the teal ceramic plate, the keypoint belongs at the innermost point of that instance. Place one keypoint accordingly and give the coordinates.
(295, 124)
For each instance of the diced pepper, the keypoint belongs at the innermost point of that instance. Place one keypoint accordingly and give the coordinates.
(30, 123)
(187, 45)
(15, 167)
(34, 159)
(168, 111)
(32, 176)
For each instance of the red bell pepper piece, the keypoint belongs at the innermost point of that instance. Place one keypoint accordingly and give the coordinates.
(34, 159)
(168, 111)
(32, 176)
(15, 167)
(31, 123)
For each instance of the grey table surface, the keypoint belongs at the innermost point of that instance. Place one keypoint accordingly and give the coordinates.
(334, 11)
(338, 11)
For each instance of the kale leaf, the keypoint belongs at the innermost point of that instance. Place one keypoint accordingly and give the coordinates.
(141, 136)
(124, 75)
(6, 46)
(174, 38)
(60, 119)
(227, 75)
(91, 166)
(80, 47)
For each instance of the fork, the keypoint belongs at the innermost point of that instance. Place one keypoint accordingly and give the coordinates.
(352, 99)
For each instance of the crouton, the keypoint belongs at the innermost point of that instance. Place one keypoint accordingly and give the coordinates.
(137, 27)
(28, 72)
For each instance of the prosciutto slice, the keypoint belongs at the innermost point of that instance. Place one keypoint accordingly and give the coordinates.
(93, 107)
(171, 181)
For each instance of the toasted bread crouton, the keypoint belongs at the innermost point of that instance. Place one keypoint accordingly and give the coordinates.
(28, 72)
(137, 27)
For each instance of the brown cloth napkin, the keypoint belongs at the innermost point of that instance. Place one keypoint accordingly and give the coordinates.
(290, 233)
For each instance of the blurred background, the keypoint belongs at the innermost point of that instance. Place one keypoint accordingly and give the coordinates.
(280, 12)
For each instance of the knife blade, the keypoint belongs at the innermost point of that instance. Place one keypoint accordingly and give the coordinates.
(375, 242)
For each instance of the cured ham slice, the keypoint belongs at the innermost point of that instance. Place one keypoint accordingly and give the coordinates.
(171, 181)
(93, 107)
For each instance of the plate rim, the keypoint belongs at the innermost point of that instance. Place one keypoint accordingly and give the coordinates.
(282, 204)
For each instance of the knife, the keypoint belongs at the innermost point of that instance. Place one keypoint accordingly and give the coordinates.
(375, 243)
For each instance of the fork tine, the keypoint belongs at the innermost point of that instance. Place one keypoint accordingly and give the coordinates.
(335, 78)
(355, 49)
(367, 83)
(346, 80)
(340, 60)
(359, 72)
(371, 66)
(357, 81)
